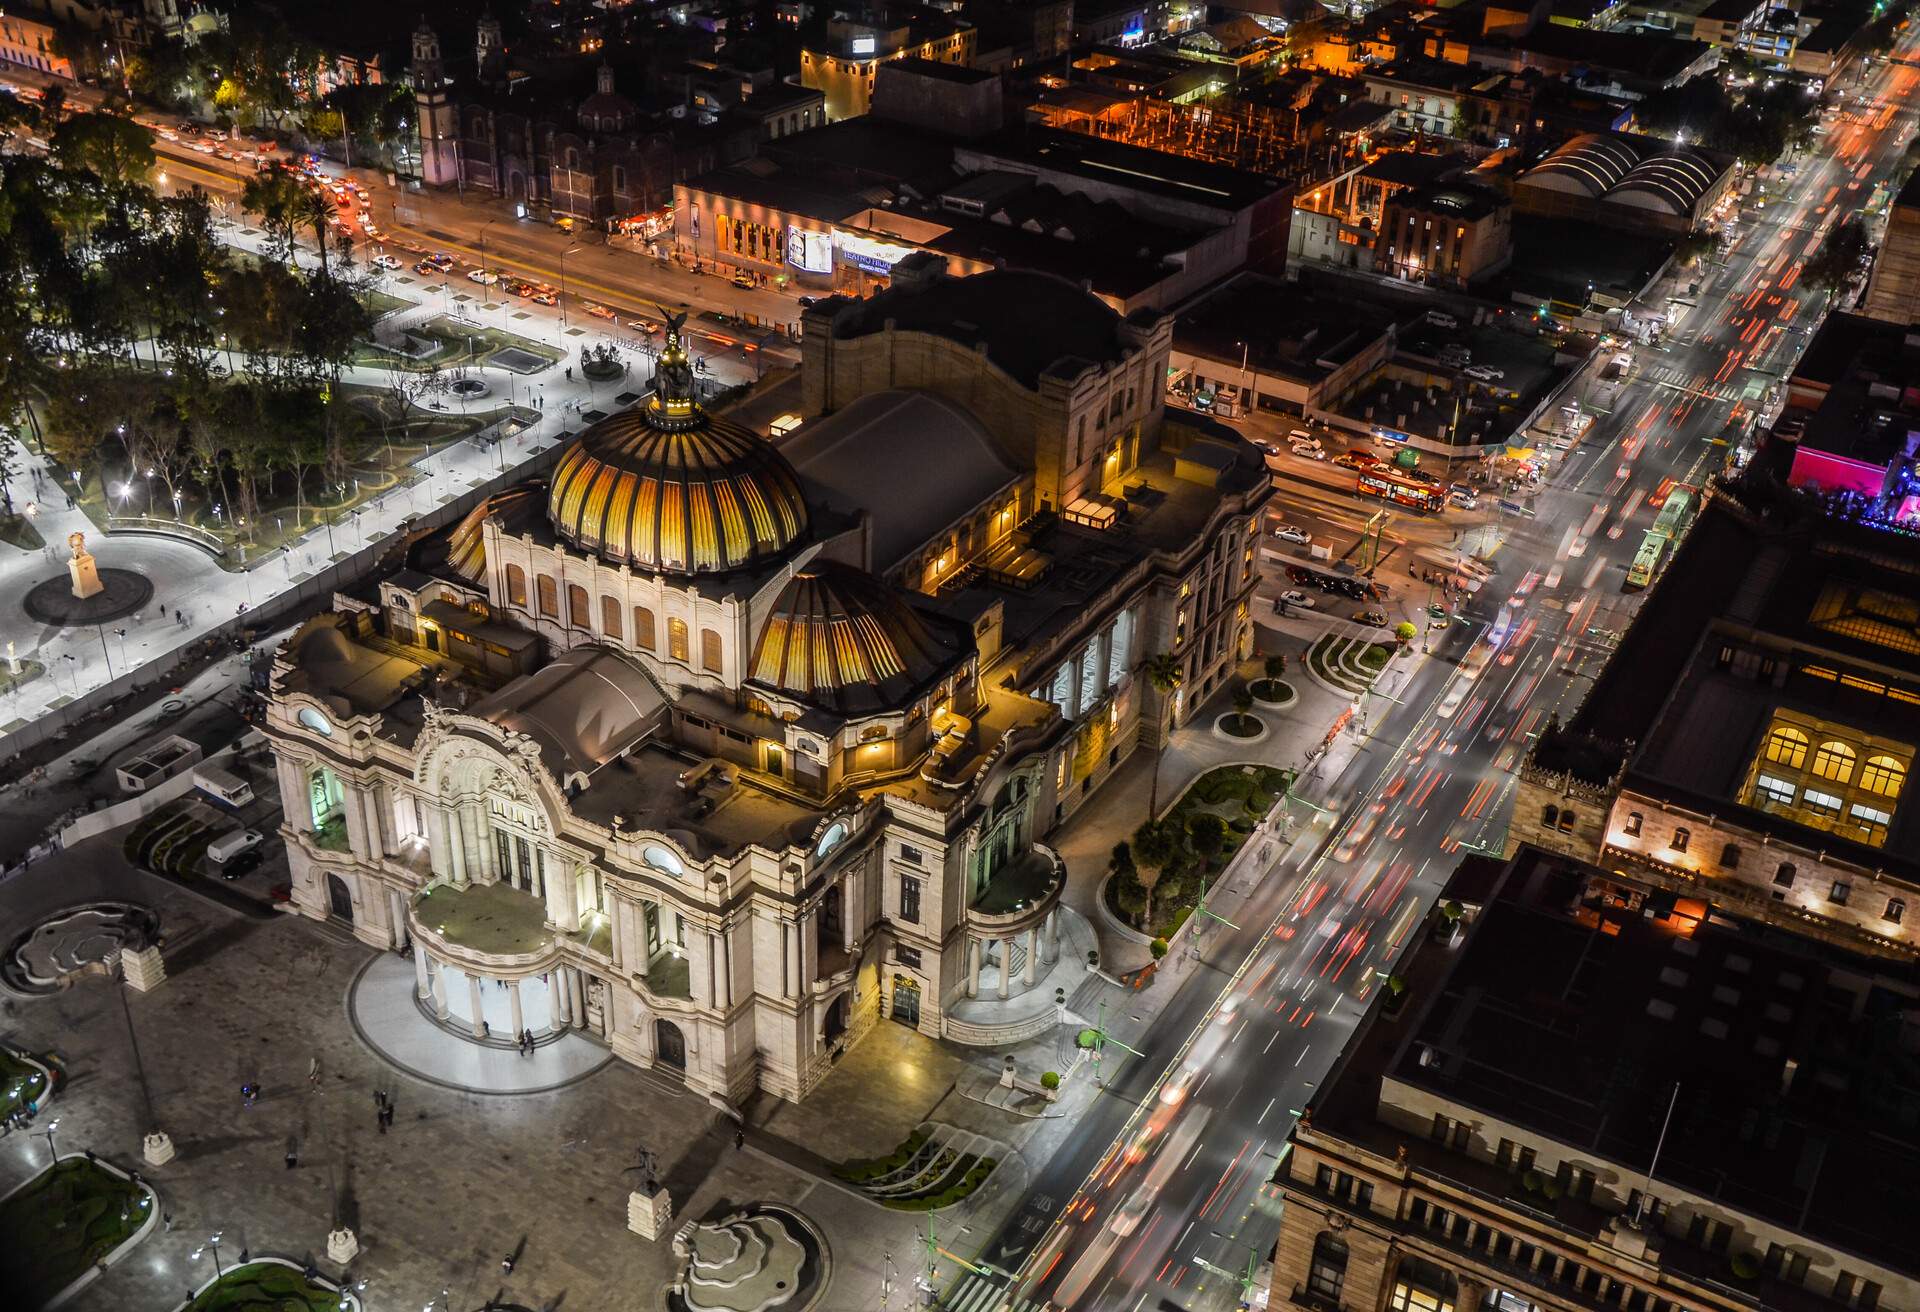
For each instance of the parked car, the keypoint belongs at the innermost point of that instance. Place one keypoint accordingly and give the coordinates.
(543, 296)
(1289, 533)
(440, 260)
(806, 301)
(228, 846)
(1301, 437)
(1297, 598)
(428, 268)
(1377, 618)
(598, 311)
(1486, 373)
(485, 277)
(385, 262)
(1440, 319)
(1356, 460)
(244, 864)
(745, 280)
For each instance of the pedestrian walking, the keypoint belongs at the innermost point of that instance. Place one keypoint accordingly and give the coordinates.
(380, 1119)
(506, 1263)
(569, 379)
(166, 1219)
(293, 1154)
(739, 1137)
(313, 1073)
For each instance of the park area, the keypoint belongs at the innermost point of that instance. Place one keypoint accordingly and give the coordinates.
(268, 1287)
(1160, 875)
(63, 1222)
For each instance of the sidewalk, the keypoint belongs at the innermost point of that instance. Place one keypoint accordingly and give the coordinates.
(188, 579)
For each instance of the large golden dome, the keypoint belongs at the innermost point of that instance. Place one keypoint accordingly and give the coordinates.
(841, 639)
(669, 487)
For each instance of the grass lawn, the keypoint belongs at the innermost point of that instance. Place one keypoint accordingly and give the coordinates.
(62, 1222)
(1349, 663)
(1239, 795)
(19, 1083)
(264, 1287)
(457, 342)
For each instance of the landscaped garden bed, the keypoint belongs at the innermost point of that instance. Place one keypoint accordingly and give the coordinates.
(21, 1082)
(1156, 878)
(268, 1287)
(934, 1167)
(64, 1223)
(1350, 664)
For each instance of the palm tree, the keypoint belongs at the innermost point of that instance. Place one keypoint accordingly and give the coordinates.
(1243, 705)
(1163, 672)
(278, 200)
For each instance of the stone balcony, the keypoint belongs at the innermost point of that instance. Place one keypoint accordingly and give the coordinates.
(494, 928)
(1021, 893)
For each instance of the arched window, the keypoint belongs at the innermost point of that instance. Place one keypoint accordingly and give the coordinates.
(1787, 746)
(610, 617)
(1883, 775)
(1550, 817)
(710, 651)
(1634, 821)
(1834, 761)
(573, 158)
(1680, 837)
(1328, 1274)
(643, 628)
(1783, 876)
(549, 596)
(516, 586)
(579, 612)
(677, 639)
(1730, 856)
(1566, 821)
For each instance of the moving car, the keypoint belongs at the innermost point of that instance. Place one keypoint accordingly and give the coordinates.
(428, 269)
(1377, 618)
(385, 262)
(1290, 533)
(485, 277)
(1297, 598)
(543, 296)
(1356, 460)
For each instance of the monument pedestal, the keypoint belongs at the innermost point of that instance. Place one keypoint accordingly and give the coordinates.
(649, 1211)
(144, 968)
(342, 1247)
(157, 1149)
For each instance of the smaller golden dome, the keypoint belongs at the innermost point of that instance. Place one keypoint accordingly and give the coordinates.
(839, 639)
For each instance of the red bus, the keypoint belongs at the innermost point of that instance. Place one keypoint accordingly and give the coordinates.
(1391, 485)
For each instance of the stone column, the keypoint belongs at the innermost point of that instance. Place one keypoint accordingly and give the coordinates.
(513, 1001)
(849, 908)
(473, 858)
(293, 794)
(376, 837)
(808, 929)
(577, 996)
(1053, 931)
(973, 967)
(473, 992)
(438, 846)
(439, 983)
(561, 908)
(557, 999)
(422, 985)
(1006, 964)
(1033, 953)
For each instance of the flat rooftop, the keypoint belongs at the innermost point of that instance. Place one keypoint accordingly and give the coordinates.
(1297, 330)
(1866, 368)
(1574, 1021)
(1134, 168)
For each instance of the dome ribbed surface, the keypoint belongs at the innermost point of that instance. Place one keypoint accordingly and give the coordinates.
(839, 639)
(697, 498)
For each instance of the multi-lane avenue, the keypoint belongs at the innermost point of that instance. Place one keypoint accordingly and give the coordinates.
(1157, 1201)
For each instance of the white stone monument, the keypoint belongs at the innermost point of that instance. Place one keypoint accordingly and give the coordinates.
(145, 969)
(342, 1247)
(649, 1210)
(86, 574)
(157, 1148)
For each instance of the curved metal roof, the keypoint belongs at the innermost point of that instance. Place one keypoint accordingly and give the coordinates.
(467, 544)
(671, 488)
(1592, 163)
(1674, 182)
(840, 639)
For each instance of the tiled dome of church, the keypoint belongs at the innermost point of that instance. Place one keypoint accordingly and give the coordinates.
(838, 638)
(668, 487)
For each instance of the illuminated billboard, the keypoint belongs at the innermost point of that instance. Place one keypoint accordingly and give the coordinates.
(810, 252)
(863, 45)
(873, 256)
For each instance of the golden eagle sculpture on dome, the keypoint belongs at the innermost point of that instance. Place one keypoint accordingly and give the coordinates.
(673, 402)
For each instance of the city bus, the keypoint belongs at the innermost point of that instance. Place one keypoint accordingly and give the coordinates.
(1667, 527)
(1402, 489)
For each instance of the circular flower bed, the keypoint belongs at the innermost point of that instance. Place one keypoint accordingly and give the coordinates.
(1246, 728)
(1272, 692)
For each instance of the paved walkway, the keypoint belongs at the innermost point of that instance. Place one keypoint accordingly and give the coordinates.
(389, 1021)
(189, 580)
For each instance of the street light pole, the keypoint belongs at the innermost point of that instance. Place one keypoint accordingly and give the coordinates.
(52, 1153)
(563, 283)
(107, 655)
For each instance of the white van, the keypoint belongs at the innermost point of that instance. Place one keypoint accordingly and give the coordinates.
(223, 786)
(228, 846)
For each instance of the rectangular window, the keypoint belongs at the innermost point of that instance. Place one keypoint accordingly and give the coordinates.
(912, 855)
(710, 651)
(908, 957)
(677, 639)
(643, 628)
(1770, 789)
(910, 899)
(1870, 817)
(1822, 804)
(1839, 894)
(1896, 910)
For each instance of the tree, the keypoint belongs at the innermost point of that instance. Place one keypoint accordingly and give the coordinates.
(1840, 259)
(280, 202)
(1163, 673)
(116, 150)
(1207, 833)
(1243, 704)
(1156, 845)
(1129, 893)
(1404, 632)
(8, 468)
(1275, 666)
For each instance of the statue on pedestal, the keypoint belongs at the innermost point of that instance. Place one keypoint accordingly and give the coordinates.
(85, 574)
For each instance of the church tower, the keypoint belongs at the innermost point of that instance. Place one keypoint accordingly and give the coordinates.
(490, 49)
(433, 111)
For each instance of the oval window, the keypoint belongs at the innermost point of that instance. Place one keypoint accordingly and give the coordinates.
(661, 859)
(836, 834)
(315, 721)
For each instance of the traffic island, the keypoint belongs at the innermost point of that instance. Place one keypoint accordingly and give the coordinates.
(270, 1285)
(67, 1225)
(122, 592)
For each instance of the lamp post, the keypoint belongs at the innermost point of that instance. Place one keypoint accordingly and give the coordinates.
(483, 246)
(53, 1154)
(105, 654)
(213, 1242)
(563, 283)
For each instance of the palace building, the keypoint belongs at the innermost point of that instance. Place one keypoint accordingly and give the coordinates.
(719, 751)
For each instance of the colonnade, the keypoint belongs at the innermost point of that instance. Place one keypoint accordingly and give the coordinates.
(977, 950)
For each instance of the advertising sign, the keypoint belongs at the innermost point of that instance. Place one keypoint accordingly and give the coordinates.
(810, 252)
(873, 256)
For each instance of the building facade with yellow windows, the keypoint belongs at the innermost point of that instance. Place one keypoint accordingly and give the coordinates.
(718, 752)
(1751, 739)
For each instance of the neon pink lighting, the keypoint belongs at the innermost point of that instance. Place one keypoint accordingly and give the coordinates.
(1832, 473)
